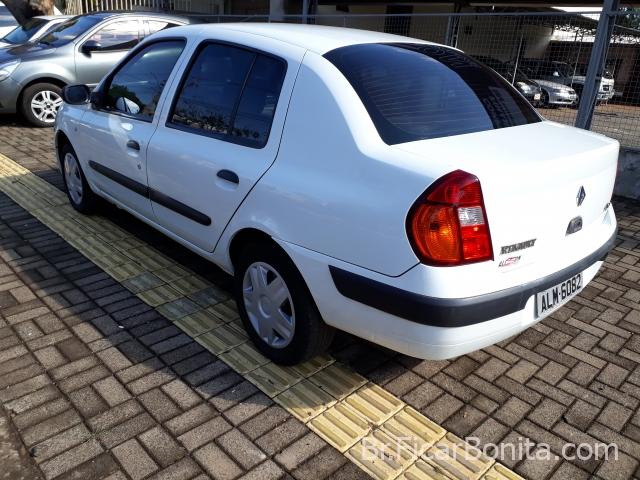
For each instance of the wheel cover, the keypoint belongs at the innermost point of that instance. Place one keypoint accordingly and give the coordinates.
(268, 304)
(72, 178)
(45, 105)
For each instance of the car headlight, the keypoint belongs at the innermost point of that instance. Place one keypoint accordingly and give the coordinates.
(524, 86)
(6, 69)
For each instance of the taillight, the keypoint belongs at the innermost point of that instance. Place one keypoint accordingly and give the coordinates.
(448, 224)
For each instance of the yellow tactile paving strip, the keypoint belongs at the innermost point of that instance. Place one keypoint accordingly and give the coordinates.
(352, 414)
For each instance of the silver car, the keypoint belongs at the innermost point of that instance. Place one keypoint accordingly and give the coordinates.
(556, 94)
(81, 50)
(33, 29)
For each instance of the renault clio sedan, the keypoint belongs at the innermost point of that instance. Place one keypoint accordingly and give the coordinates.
(81, 50)
(350, 180)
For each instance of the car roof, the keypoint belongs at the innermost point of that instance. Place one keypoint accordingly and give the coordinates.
(317, 38)
(121, 13)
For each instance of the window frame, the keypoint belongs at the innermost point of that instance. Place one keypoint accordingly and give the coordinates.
(226, 137)
(106, 83)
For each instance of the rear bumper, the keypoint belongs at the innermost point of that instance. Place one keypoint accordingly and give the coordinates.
(453, 312)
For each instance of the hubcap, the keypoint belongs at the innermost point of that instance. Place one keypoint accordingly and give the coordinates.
(268, 304)
(45, 105)
(72, 178)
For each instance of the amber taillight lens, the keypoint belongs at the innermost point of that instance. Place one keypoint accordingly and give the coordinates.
(448, 224)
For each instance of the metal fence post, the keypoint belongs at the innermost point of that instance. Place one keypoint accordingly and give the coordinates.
(596, 64)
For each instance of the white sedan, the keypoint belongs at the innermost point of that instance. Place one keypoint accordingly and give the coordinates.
(389, 187)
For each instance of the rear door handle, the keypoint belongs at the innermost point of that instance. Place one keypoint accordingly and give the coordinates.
(229, 176)
(132, 144)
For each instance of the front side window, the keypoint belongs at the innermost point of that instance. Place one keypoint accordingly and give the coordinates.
(135, 89)
(230, 93)
(120, 35)
(69, 30)
(416, 91)
(24, 33)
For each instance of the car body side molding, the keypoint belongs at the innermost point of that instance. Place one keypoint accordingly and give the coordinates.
(453, 312)
(153, 195)
(179, 207)
(123, 180)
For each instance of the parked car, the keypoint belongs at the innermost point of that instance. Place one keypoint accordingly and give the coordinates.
(556, 94)
(81, 50)
(33, 29)
(607, 83)
(348, 179)
(527, 87)
(563, 73)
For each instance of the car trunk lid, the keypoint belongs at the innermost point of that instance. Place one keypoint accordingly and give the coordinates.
(535, 179)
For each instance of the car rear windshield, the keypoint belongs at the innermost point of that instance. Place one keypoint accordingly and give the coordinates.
(416, 92)
(69, 30)
(25, 32)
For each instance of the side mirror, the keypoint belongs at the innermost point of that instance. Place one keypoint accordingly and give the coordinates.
(91, 46)
(76, 94)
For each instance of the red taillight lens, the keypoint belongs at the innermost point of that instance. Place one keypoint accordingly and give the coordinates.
(448, 225)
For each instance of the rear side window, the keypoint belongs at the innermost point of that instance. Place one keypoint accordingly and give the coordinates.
(416, 92)
(158, 25)
(229, 93)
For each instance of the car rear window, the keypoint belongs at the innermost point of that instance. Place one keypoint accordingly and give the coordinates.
(416, 92)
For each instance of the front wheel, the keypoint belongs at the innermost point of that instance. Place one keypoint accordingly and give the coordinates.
(79, 192)
(276, 307)
(40, 104)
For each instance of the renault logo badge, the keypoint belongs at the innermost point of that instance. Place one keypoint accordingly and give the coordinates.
(580, 196)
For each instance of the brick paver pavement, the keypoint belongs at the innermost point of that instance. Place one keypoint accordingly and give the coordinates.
(574, 377)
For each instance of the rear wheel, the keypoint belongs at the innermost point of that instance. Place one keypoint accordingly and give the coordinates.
(276, 307)
(40, 104)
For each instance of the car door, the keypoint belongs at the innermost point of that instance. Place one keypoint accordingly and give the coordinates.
(219, 135)
(110, 42)
(116, 133)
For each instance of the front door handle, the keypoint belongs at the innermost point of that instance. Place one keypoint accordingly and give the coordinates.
(229, 176)
(132, 144)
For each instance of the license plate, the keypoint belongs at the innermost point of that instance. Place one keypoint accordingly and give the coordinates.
(556, 296)
(536, 96)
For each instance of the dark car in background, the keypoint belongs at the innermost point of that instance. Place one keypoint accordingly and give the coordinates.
(81, 50)
(527, 87)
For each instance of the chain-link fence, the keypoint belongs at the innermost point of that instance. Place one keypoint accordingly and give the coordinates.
(545, 55)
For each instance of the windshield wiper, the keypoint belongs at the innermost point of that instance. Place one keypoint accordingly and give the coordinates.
(44, 42)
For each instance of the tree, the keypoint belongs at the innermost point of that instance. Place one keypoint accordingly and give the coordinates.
(630, 20)
(23, 10)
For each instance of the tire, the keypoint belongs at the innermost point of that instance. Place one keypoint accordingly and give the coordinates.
(545, 99)
(40, 103)
(260, 265)
(79, 192)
